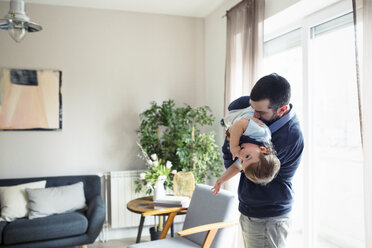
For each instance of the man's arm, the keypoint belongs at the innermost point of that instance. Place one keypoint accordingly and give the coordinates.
(227, 156)
(240, 103)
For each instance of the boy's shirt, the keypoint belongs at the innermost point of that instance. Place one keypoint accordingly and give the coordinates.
(257, 132)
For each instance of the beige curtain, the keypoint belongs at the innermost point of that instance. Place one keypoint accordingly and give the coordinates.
(244, 47)
(363, 10)
(244, 52)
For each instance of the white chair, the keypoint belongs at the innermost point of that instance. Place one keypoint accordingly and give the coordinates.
(206, 214)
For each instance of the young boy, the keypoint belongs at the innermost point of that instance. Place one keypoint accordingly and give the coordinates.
(258, 159)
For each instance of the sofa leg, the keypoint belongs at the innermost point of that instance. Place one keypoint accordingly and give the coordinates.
(83, 246)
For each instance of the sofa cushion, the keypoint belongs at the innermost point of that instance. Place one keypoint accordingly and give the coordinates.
(55, 200)
(2, 225)
(13, 200)
(92, 183)
(51, 227)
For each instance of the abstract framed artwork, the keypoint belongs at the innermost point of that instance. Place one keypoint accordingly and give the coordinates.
(30, 99)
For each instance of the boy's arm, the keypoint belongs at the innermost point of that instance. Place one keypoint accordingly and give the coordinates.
(227, 175)
(236, 131)
(230, 172)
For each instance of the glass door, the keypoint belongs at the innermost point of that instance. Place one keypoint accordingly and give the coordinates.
(336, 148)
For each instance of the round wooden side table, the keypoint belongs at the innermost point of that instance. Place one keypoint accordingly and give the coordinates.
(141, 205)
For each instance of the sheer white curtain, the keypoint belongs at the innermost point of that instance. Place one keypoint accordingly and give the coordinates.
(367, 116)
(244, 53)
(363, 10)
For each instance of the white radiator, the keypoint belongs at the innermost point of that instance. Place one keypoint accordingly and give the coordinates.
(121, 190)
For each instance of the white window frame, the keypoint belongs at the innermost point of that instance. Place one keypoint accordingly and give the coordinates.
(306, 23)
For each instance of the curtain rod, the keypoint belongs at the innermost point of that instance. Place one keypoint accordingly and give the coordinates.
(232, 8)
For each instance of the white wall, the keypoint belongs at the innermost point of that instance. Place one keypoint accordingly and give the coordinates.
(113, 64)
(272, 7)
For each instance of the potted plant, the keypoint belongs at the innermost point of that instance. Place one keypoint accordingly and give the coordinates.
(175, 134)
(156, 176)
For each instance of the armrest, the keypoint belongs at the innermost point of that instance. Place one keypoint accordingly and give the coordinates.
(212, 231)
(96, 215)
(164, 211)
(206, 227)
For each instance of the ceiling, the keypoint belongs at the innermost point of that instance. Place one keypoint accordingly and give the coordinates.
(192, 8)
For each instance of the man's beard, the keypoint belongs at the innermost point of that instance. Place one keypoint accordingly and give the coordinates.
(274, 118)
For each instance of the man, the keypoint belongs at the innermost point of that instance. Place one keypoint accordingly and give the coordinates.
(265, 209)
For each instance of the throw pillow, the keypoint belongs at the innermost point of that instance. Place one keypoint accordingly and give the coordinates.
(55, 200)
(13, 200)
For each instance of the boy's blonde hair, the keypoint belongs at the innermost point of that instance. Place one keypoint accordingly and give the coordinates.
(265, 170)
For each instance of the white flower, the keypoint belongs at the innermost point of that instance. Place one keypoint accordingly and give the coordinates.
(174, 172)
(154, 157)
(162, 178)
(156, 163)
(142, 176)
(148, 185)
(168, 164)
(149, 162)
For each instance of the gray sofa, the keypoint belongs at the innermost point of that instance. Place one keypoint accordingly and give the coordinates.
(59, 230)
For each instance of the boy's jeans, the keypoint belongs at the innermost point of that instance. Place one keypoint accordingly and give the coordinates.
(265, 232)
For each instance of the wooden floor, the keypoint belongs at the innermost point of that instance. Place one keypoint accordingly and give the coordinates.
(114, 243)
(121, 243)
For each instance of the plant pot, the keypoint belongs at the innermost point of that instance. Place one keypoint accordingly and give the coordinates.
(154, 235)
(159, 191)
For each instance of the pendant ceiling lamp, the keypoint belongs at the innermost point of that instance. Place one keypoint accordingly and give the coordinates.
(17, 22)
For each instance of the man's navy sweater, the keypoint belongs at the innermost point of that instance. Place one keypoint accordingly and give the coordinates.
(275, 198)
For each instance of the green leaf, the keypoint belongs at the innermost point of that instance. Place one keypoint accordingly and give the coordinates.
(167, 130)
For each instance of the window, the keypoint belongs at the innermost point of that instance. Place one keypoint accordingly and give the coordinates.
(337, 152)
(283, 55)
(318, 60)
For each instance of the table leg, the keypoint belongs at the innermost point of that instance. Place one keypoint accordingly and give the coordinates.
(172, 230)
(140, 229)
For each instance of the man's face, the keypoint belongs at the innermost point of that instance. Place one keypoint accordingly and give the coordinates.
(263, 112)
